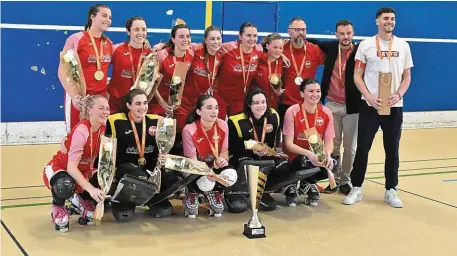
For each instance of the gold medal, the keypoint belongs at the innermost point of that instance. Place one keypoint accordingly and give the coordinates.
(99, 75)
(142, 161)
(298, 80)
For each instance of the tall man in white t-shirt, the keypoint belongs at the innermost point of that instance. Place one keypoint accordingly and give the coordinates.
(382, 53)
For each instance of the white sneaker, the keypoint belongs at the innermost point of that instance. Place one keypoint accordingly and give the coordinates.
(354, 196)
(391, 198)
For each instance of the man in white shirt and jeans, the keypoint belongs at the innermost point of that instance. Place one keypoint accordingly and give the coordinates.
(381, 53)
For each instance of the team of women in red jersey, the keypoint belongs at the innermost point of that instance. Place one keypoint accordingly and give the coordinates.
(219, 76)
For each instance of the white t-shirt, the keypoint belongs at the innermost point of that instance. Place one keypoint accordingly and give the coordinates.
(399, 61)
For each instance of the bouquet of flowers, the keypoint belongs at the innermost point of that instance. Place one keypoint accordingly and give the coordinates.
(106, 171)
(259, 146)
(176, 83)
(187, 165)
(148, 78)
(165, 139)
(72, 70)
(317, 147)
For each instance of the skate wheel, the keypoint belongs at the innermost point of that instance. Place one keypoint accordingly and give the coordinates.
(191, 216)
(307, 201)
(210, 212)
(218, 215)
(292, 204)
(82, 221)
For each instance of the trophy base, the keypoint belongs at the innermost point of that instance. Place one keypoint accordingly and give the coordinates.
(252, 233)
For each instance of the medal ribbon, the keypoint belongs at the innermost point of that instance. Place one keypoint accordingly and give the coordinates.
(341, 70)
(295, 62)
(264, 129)
(98, 57)
(269, 67)
(143, 135)
(215, 148)
(91, 148)
(245, 78)
(379, 48)
(131, 62)
(306, 116)
(211, 76)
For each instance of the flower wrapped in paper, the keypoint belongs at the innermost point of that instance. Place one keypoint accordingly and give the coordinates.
(176, 83)
(317, 147)
(192, 166)
(259, 146)
(165, 139)
(148, 78)
(106, 171)
(72, 70)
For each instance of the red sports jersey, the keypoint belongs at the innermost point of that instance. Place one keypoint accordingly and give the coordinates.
(197, 144)
(59, 161)
(82, 44)
(322, 123)
(262, 77)
(230, 81)
(167, 68)
(314, 58)
(123, 77)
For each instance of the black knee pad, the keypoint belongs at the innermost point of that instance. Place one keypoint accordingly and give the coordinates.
(301, 163)
(63, 187)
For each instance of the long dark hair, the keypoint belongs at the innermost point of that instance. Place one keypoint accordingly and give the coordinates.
(205, 36)
(173, 35)
(93, 10)
(248, 102)
(128, 98)
(193, 116)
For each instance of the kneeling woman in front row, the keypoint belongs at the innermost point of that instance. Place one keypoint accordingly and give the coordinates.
(71, 176)
(301, 121)
(260, 123)
(205, 138)
(136, 153)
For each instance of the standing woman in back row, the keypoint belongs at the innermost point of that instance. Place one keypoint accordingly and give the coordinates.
(127, 60)
(94, 50)
(238, 68)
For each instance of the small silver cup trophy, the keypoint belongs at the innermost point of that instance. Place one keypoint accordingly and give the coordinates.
(257, 181)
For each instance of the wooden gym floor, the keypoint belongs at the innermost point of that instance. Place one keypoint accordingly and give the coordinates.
(426, 225)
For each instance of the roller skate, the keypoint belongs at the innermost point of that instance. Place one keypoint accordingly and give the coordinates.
(60, 218)
(216, 203)
(291, 194)
(312, 192)
(191, 204)
(86, 209)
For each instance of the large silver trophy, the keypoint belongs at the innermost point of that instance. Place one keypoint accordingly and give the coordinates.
(257, 182)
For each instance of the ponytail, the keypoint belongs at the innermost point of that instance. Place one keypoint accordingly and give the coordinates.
(173, 35)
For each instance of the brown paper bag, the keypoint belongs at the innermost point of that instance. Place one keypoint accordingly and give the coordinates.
(181, 71)
(385, 87)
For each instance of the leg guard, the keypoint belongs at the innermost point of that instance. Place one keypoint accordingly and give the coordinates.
(123, 212)
(235, 196)
(133, 191)
(63, 188)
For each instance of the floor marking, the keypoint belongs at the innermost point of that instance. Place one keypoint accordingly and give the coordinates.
(14, 238)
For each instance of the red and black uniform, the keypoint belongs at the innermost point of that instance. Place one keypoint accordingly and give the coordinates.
(232, 83)
(262, 77)
(167, 68)
(199, 80)
(126, 63)
(81, 42)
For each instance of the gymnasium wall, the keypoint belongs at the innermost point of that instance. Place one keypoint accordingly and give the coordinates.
(33, 34)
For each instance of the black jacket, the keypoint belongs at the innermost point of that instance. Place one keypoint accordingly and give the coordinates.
(353, 95)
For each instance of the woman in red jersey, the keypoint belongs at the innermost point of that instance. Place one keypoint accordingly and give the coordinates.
(70, 176)
(203, 70)
(239, 66)
(205, 138)
(127, 60)
(177, 50)
(94, 50)
(301, 120)
(270, 68)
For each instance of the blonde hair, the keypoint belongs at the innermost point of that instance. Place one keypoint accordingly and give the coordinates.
(88, 103)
